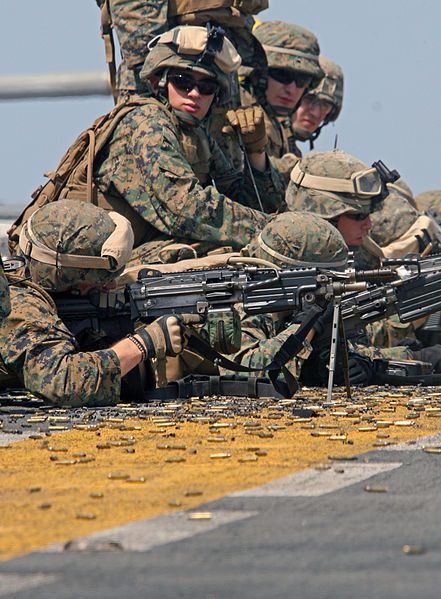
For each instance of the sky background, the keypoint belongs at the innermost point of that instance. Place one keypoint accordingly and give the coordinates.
(389, 50)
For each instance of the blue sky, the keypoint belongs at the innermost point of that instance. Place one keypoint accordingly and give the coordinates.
(390, 52)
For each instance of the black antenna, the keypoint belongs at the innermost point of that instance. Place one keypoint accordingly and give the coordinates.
(335, 141)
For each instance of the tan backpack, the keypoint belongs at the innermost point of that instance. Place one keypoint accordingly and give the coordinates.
(74, 175)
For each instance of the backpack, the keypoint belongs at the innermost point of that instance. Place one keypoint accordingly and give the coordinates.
(75, 171)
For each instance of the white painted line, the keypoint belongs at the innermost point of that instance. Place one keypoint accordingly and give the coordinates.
(429, 441)
(8, 438)
(12, 583)
(143, 535)
(312, 483)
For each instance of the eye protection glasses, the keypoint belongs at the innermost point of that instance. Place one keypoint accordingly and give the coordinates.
(287, 76)
(186, 83)
(311, 101)
(358, 217)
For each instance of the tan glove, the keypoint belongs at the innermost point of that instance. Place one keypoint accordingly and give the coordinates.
(166, 335)
(249, 123)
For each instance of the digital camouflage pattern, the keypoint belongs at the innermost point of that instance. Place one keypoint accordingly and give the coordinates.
(137, 22)
(429, 199)
(298, 239)
(285, 45)
(393, 219)
(289, 46)
(403, 188)
(390, 331)
(164, 170)
(39, 353)
(329, 205)
(71, 227)
(167, 55)
(330, 87)
(5, 301)
(281, 146)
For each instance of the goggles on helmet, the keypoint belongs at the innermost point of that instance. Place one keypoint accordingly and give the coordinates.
(366, 183)
(209, 43)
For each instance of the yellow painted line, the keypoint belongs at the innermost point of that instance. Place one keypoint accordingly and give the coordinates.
(99, 482)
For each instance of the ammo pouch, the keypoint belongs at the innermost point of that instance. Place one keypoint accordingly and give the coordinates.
(223, 331)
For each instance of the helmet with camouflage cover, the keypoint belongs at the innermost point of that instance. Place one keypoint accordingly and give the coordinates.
(393, 220)
(429, 199)
(333, 183)
(403, 188)
(289, 46)
(70, 242)
(203, 50)
(330, 87)
(294, 239)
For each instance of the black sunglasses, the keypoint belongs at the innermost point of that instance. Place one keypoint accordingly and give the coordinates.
(186, 83)
(287, 76)
(357, 216)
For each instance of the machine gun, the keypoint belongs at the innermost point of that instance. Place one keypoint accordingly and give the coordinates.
(303, 291)
(415, 293)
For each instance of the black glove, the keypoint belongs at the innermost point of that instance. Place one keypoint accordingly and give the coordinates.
(323, 320)
(360, 370)
(410, 342)
(430, 354)
(315, 370)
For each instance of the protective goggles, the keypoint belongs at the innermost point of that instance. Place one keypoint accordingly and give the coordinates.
(185, 82)
(365, 183)
(287, 76)
(357, 217)
(324, 105)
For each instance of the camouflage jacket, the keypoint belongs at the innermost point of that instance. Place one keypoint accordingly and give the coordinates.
(177, 181)
(262, 337)
(39, 353)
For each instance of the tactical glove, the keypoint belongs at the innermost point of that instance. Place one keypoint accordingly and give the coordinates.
(360, 370)
(251, 124)
(430, 354)
(166, 335)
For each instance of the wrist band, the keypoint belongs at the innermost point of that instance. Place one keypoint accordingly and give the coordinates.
(140, 346)
(148, 342)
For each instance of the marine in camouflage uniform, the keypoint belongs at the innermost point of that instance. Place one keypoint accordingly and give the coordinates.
(288, 241)
(5, 301)
(293, 67)
(67, 245)
(320, 105)
(176, 183)
(137, 22)
(314, 187)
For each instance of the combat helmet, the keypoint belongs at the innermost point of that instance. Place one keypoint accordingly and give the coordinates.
(329, 88)
(429, 200)
(200, 49)
(334, 183)
(289, 46)
(296, 239)
(69, 242)
(393, 220)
